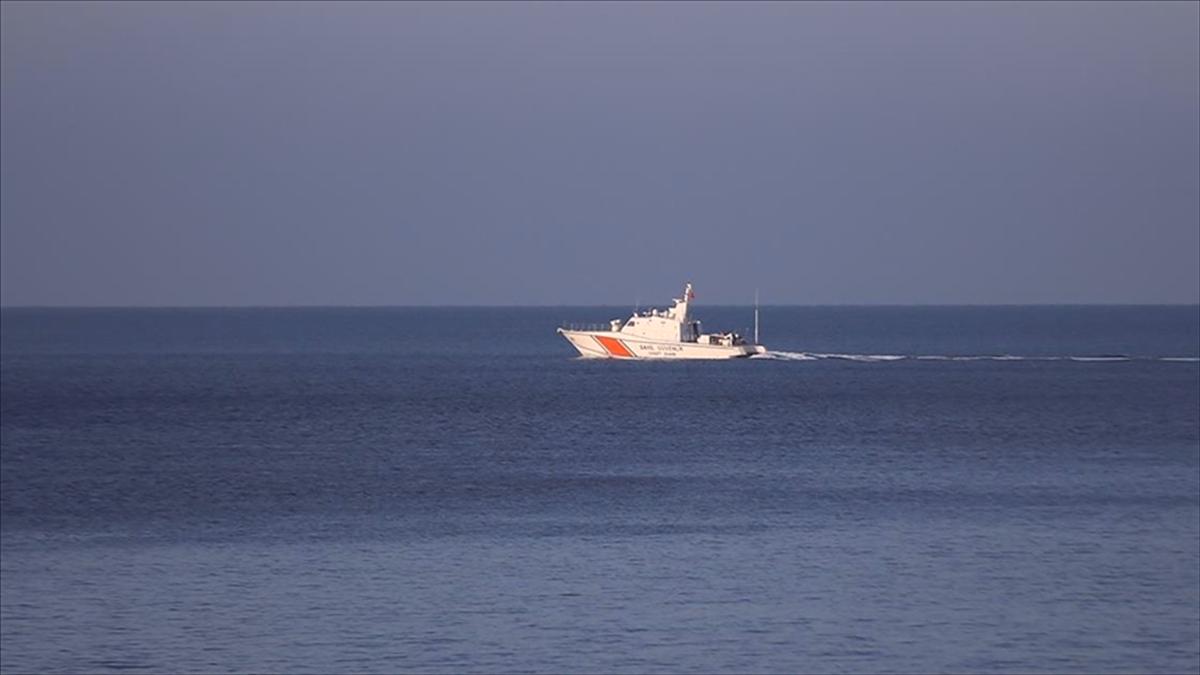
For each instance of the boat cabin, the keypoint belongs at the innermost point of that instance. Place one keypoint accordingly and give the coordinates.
(672, 325)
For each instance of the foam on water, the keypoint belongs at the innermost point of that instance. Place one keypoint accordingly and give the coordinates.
(878, 358)
(816, 356)
(785, 356)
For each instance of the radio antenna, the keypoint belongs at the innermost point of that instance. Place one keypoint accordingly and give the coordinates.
(756, 316)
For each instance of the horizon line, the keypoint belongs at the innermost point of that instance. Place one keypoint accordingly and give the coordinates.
(607, 306)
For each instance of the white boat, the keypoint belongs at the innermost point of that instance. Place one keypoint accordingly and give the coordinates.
(660, 334)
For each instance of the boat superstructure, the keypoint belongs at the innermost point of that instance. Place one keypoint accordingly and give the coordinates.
(659, 334)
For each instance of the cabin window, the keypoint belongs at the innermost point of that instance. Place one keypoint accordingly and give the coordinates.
(631, 323)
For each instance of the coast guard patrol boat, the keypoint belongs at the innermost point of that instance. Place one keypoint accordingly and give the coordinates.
(661, 334)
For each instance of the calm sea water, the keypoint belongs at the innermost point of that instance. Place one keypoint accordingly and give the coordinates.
(450, 490)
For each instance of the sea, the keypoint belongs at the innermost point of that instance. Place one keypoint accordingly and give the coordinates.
(452, 490)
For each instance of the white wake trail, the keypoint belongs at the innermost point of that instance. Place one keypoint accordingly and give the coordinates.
(817, 356)
(883, 358)
(785, 356)
(864, 358)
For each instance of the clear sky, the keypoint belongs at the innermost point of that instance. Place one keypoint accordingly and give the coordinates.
(576, 153)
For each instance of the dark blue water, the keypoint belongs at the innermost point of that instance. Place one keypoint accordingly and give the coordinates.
(450, 490)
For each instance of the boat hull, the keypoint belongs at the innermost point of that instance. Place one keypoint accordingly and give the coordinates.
(612, 345)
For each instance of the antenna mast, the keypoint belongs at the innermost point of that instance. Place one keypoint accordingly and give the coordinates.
(756, 316)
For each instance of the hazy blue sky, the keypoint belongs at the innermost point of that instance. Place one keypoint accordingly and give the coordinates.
(231, 154)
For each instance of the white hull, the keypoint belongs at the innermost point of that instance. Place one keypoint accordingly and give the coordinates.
(616, 345)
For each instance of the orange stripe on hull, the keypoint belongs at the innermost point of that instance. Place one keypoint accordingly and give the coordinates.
(614, 347)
